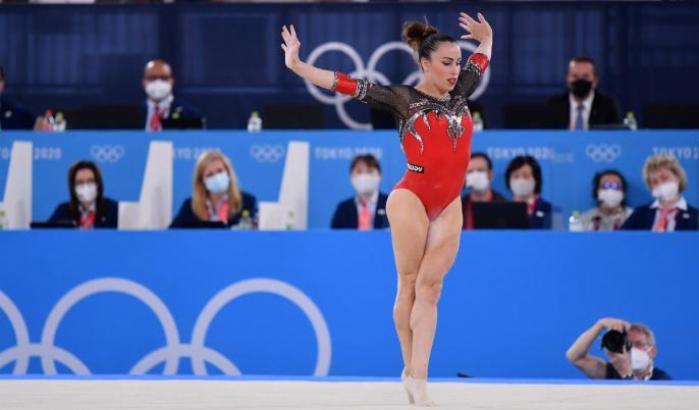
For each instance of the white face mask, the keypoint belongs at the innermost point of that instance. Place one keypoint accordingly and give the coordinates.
(478, 181)
(611, 198)
(366, 184)
(522, 187)
(667, 191)
(158, 90)
(218, 183)
(86, 192)
(640, 360)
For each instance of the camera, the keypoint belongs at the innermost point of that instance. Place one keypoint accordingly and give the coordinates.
(615, 341)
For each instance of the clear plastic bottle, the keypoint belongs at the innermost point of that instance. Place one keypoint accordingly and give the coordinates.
(254, 122)
(290, 220)
(575, 222)
(630, 121)
(477, 121)
(246, 222)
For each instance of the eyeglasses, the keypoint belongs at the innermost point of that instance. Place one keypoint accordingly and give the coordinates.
(611, 185)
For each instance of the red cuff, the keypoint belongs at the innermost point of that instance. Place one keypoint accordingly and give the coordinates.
(344, 84)
(479, 59)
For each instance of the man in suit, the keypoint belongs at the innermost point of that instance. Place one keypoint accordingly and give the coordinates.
(162, 110)
(13, 116)
(367, 209)
(583, 106)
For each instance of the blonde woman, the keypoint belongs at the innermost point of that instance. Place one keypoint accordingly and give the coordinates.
(670, 211)
(216, 196)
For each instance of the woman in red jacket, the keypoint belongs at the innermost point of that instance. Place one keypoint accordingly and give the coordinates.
(424, 209)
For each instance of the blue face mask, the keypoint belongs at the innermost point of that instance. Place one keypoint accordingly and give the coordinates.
(217, 184)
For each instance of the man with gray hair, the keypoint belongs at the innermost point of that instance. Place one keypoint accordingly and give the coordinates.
(633, 360)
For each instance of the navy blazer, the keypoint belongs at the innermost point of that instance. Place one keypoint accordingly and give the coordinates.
(346, 216)
(186, 218)
(643, 217)
(182, 116)
(109, 218)
(604, 111)
(542, 216)
(14, 116)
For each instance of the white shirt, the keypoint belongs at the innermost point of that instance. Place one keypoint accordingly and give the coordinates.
(163, 106)
(680, 206)
(373, 201)
(587, 107)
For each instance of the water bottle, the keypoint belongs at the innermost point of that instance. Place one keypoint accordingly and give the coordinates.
(59, 122)
(477, 122)
(254, 122)
(630, 121)
(575, 222)
(290, 220)
(3, 219)
(245, 223)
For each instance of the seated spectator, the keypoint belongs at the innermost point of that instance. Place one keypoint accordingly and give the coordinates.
(609, 190)
(479, 179)
(634, 360)
(583, 106)
(523, 179)
(670, 211)
(216, 197)
(13, 116)
(162, 110)
(88, 207)
(367, 209)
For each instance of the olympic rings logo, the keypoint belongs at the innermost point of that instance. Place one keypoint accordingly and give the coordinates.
(267, 153)
(603, 152)
(370, 73)
(107, 153)
(173, 350)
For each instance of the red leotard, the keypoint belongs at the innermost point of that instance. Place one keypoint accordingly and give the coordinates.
(435, 134)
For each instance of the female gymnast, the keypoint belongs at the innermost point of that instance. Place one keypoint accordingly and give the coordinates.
(424, 209)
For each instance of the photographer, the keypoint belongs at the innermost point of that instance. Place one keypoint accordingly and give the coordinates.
(630, 348)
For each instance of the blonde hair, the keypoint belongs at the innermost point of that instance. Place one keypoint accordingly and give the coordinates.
(657, 162)
(646, 331)
(199, 192)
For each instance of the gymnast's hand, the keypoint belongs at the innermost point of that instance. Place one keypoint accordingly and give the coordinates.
(479, 30)
(291, 47)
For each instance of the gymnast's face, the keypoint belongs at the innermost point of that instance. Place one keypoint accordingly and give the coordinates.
(443, 67)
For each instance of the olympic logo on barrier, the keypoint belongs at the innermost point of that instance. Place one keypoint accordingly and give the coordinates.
(370, 73)
(603, 152)
(107, 153)
(267, 153)
(173, 350)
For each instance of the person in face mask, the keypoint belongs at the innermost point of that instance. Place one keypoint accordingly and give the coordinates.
(666, 180)
(216, 200)
(523, 179)
(479, 178)
(634, 362)
(162, 110)
(582, 107)
(367, 208)
(88, 207)
(609, 190)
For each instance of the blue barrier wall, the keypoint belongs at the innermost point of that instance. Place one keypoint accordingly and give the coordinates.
(65, 56)
(569, 161)
(512, 304)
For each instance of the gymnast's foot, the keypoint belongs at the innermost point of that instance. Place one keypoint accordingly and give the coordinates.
(417, 391)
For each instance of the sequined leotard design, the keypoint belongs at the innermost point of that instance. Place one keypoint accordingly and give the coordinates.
(435, 134)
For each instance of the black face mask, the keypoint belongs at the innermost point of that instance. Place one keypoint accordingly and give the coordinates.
(580, 88)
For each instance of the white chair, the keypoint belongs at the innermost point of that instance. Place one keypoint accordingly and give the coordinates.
(154, 207)
(17, 201)
(290, 212)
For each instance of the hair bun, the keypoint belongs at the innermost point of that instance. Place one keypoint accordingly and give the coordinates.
(414, 32)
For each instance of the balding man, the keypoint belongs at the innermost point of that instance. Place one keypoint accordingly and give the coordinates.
(583, 106)
(162, 111)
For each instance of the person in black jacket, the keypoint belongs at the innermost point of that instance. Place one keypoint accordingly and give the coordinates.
(13, 116)
(666, 179)
(367, 209)
(216, 197)
(88, 207)
(583, 106)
